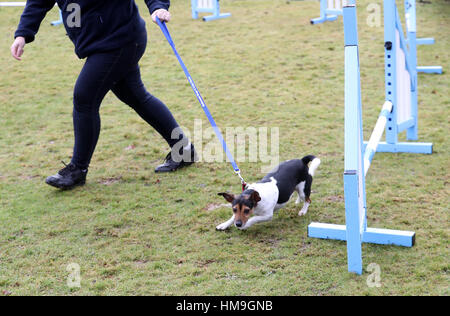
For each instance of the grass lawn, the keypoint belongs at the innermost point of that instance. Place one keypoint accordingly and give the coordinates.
(133, 232)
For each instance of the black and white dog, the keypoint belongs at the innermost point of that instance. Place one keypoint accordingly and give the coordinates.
(272, 193)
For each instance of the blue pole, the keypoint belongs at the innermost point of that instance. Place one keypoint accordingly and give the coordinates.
(354, 187)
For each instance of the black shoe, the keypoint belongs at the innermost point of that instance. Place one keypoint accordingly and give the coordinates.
(68, 177)
(171, 165)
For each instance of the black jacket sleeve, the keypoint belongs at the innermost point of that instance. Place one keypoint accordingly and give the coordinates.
(154, 5)
(32, 16)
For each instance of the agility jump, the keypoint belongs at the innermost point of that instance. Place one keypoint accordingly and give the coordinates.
(208, 6)
(399, 112)
(331, 9)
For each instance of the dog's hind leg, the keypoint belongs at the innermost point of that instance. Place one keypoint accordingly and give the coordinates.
(305, 193)
(304, 209)
(300, 188)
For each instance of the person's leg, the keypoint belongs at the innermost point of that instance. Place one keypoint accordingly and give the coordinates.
(98, 75)
(95, 80)
(132, 92)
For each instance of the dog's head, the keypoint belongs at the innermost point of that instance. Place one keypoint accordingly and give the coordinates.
(243, 205)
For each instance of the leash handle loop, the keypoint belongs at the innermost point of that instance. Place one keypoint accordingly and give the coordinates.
(165, 31)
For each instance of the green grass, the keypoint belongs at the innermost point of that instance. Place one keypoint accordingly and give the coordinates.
(135, 232)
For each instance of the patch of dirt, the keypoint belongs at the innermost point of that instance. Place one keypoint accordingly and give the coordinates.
(215, 206)
(335, 198)
(111, 181)
(205, 263)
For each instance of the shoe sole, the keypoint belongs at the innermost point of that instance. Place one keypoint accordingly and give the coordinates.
(186, 164)
(65, 188)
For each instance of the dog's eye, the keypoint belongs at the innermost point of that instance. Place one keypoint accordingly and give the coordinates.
(246, 211)
(235, 210)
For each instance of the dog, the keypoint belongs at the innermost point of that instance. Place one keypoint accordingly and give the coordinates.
(272, 193)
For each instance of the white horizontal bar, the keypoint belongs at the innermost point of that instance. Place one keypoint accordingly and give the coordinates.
(375, 138)
(430, 69)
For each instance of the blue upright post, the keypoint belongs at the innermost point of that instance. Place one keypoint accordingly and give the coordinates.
(354, 191)
(390, 69)
(412, 132)
(194, 9)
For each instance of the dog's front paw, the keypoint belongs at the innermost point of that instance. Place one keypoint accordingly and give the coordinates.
(222, 226)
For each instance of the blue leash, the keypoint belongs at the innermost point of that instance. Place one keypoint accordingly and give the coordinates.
(166, 33)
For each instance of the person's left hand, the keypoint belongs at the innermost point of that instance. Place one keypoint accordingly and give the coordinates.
(162, 14)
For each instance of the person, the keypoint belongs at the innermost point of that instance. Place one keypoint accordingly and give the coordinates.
(112, 36)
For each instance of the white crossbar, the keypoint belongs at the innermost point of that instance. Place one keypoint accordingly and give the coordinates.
(375, 138)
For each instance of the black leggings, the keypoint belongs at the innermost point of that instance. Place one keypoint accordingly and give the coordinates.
(119, 72)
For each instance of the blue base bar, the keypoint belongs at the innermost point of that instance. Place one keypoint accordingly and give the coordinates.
(59, 22)
(430, 69)
(413, 148)
(371, 235)
(425, 41)
(324, 19)
(331, 12)
(216, 17)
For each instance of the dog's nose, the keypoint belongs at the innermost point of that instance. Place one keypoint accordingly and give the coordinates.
(238, 223)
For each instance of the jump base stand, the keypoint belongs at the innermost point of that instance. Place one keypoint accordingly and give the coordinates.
(208, 6)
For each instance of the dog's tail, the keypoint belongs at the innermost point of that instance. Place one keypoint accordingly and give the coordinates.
(315, 162)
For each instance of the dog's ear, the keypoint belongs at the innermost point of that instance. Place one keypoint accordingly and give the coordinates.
(228, 197)
(255, 197)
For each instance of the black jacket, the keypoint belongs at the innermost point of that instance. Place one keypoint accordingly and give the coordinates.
(93, 25)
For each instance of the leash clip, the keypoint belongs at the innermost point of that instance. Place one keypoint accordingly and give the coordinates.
(244, 184)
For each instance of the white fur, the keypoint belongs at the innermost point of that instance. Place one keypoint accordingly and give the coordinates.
(313, 166)
(300, 188)
(301, 197)
(264, 209)
(304, 209)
